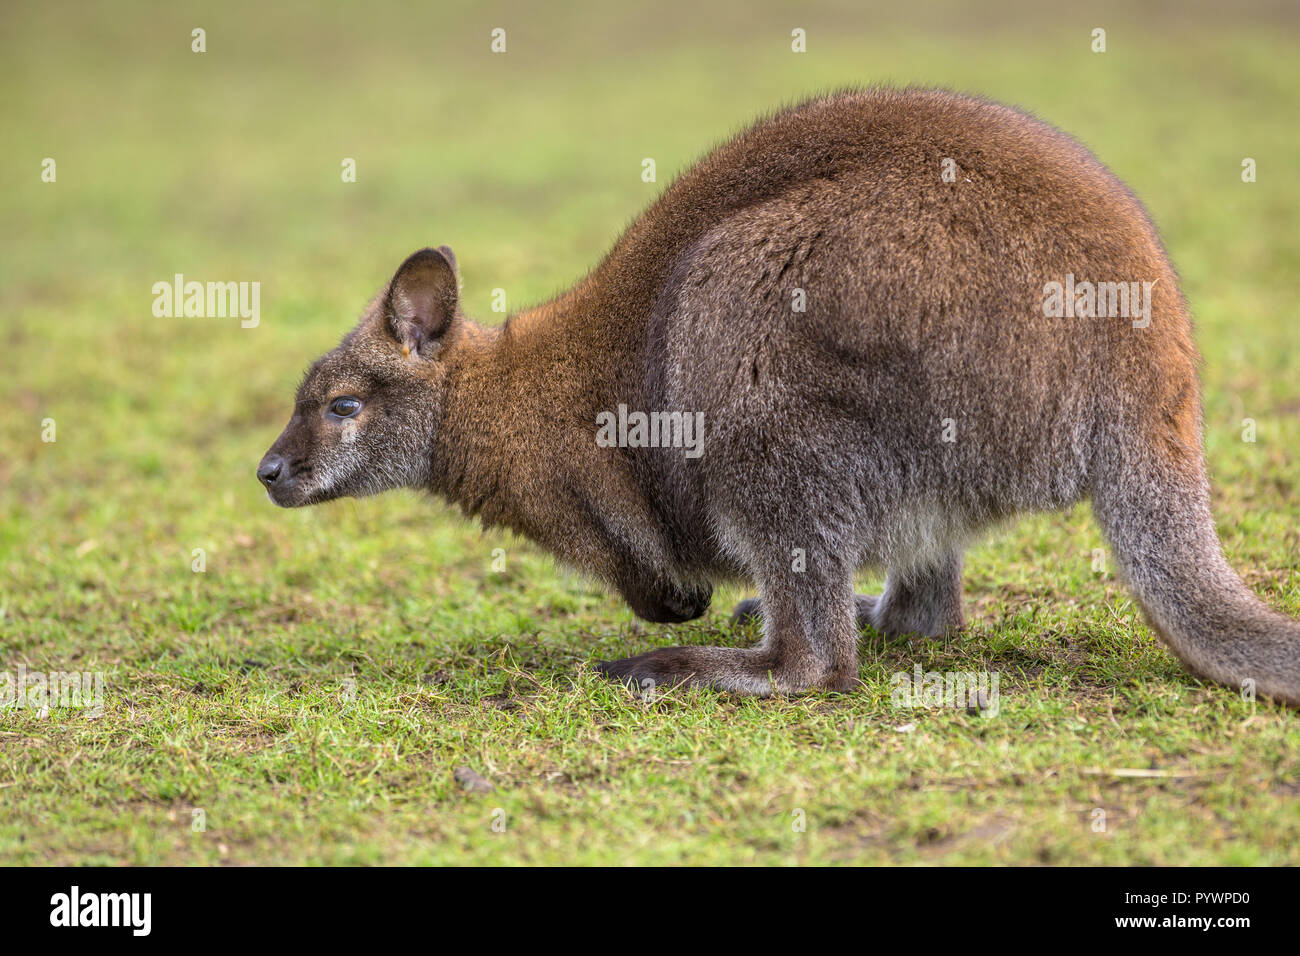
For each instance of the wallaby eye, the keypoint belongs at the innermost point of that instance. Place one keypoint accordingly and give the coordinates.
(345, 407)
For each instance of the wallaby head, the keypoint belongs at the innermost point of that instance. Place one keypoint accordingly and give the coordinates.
(365, 414)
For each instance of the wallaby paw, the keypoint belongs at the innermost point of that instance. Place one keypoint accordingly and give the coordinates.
(748, 611)
(866, 609)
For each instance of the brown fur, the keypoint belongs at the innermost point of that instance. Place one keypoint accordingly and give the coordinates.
(924, 305)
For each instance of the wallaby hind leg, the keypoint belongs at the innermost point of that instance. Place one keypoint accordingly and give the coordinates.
(750, 610)
(924, 601)
(809, 641)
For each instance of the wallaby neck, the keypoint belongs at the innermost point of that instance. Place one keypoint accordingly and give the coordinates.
(519, 412)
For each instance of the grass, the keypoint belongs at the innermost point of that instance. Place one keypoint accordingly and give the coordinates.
(315, 690)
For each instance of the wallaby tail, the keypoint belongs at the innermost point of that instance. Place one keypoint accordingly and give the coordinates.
(1157, 516)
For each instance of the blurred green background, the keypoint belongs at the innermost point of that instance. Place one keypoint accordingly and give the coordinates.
(316, 688)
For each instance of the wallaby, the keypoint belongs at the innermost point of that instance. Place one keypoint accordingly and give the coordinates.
(901, 316)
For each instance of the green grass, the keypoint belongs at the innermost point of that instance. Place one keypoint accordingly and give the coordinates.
(316, 688)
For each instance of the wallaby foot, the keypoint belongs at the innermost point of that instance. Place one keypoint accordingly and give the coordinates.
(809, 643)
(750, 610)
(755, 671)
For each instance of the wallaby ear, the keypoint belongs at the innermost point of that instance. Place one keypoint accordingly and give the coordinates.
(422, 299)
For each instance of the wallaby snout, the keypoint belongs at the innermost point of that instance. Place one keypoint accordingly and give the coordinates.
(270, 468)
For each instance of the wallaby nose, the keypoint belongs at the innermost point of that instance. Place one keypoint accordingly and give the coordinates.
(269, 469)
